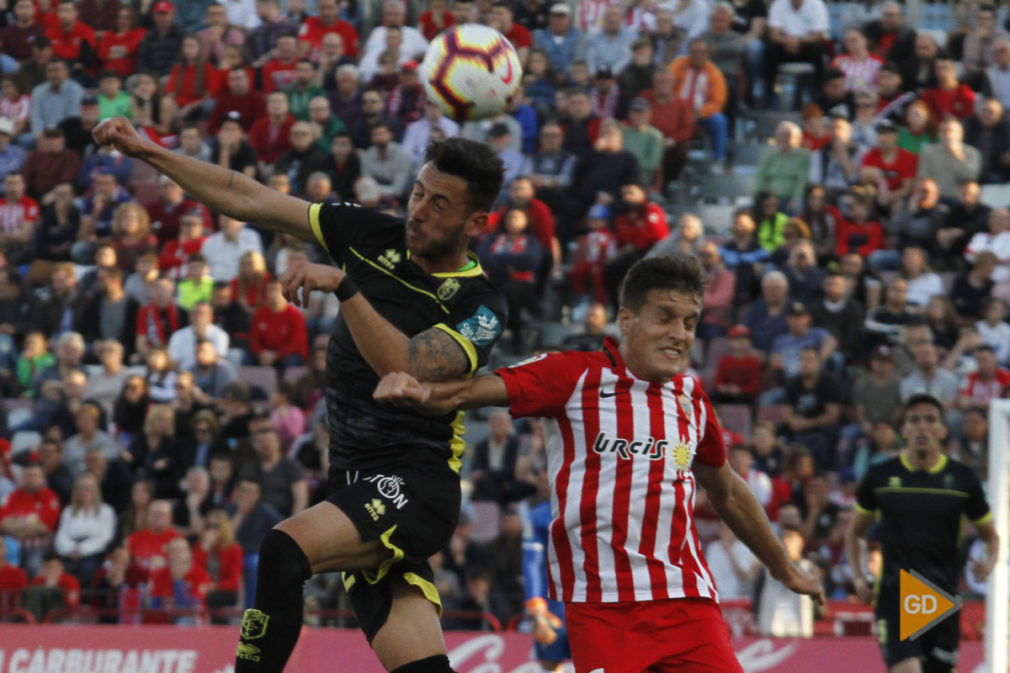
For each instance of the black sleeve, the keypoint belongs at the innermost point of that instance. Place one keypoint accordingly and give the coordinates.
(338, 226)
(977, 507)
(866, 499)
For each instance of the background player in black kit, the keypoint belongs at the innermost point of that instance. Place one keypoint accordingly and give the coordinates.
(424, 306)
(919, 498)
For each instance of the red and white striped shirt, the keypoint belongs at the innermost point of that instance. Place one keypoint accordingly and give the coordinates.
(859, 75)
(619, 459)
(14, 215)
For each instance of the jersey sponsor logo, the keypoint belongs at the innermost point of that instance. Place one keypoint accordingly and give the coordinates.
(650, 447)
(448, 289)
(923, 604)
(375, 509)
(390, 258)
(482, 328)
(390, 488)
(682, 455)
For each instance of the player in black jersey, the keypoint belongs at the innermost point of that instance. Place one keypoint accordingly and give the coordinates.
(423, 306)
(918, 499)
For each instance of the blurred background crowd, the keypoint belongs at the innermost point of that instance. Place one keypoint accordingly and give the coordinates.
(840, 170)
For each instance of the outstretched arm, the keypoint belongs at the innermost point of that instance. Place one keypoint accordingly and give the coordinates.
(735, 504)
(438, 399)
(222, 190)
(855, 553)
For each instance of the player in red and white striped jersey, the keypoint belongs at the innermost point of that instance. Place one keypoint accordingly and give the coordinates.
(634, 439)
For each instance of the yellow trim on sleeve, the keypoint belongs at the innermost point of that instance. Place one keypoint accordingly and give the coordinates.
(426, 587)
(376, 577)
(475, 270)
(456, 444)
(314, 224)
(468, 348)
(863, 510)
(981, 521)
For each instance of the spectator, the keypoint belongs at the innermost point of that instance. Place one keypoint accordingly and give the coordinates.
(32, 71)
(994, 330)
(979, 44)
(225, 248)
(728, 47)
(211, 372)
(857, 233)
(884, 323)
(765, 317)
(505, 564)
(797, 32)
(50, 164)
(89, 435)
(611, 45)
(192, 84)
(717, 300)
(738, 373)
(196, 285)
(98, 216)
(30, 516)
(325, 124)
(698, 81)
(973, 287)
(784, 172)
(278, 335)
(512, 258)
(15, 104)
(302, 158)
(814, 409)
(177, 252)
(787, 348)
(218, 34)
(949, 97)
(897, 167)
(417, 135)
(331, 58)
(500, 18)
(281, 478)
(12, 578)
(923, 284)
(51, 589)
(562, 42)
(840, 314)
(988, 131)
(19, 215)
(541, 223)
(59, 98)
(220, 556)
(387, 162)
(987, 383)
(394, 15)
(262, 40)
(270, 136)
(12, 157)
(997, 74)
(180, 584)
(950, 162)
(344, 165)
(147, 545)
(675, 120)
(643, 140)
(160, 319)
(86, 529)
(493, 470)
(314, 28)
(302, 89)
(889, 38)
(117, 47)
(744, 255)
(438, 17)
(17, 35)
(859, 64)
(917, 223)
(995, 240)
(238, 96)
(182, 345)
(158, 51)
(550, 169)
(835, 166)
(594, 250)
(929, 377)
(636, 231)
(605, 96)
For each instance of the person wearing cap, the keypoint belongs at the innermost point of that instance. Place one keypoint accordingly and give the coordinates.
(897, 167)
(50, 163)
(698, 81)
(643, 140)
(57, 99)
(611, 45)
(605, 96)
(12, 156)
(500, 18)
(786, 348)
(593, 250)
(641, 226)
(74, 41)
(561, 40)
(159, 50)
(406, 100)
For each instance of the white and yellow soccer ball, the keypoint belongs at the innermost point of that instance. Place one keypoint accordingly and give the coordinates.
(471, 72)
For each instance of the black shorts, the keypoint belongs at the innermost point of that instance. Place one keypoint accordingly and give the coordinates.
(936, 647)
(413, 511)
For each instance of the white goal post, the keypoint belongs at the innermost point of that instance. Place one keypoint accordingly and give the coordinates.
(997, 600)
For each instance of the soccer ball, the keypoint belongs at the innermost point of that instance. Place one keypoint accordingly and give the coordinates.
(471, 72)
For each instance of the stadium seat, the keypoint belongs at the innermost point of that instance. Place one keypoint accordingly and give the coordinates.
(735, 417)
(264, 378)
(731, 187)
(717, 219)
(995, 196)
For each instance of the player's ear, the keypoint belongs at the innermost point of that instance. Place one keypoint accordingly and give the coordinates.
(624, 316)
(476, 223)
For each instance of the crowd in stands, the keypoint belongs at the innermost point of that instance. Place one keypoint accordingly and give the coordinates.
(162, 399)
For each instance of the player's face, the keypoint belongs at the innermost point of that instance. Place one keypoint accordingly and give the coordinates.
(923, 428)
(657, 339)
(439, 220)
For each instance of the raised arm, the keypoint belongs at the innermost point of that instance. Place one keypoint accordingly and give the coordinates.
(735, 504)
(222, 190)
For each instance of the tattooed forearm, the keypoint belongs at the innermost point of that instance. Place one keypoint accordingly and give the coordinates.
(433, 355)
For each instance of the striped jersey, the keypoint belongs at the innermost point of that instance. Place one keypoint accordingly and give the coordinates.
(620, 452)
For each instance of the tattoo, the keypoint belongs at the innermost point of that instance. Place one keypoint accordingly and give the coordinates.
(433, 355)
(231, 177)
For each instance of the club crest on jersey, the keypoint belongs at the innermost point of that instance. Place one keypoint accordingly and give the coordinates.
(389, 488)
(448, 289)
(686, 406)
(650, 447)
(390, 258)
(482, 328)
(254, 624)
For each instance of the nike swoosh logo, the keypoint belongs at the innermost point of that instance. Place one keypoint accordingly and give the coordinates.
(604, 394)
(508, 80)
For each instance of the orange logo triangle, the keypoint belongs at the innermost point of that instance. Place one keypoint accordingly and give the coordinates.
(923, 605)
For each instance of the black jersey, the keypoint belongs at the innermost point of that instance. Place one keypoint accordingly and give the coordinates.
(364, 434)
(920, 516)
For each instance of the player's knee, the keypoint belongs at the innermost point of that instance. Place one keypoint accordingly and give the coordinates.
(282, 559)
(436, 664)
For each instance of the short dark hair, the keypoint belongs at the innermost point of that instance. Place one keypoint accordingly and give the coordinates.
(924, 398)
(678, 272)
(476, 163)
